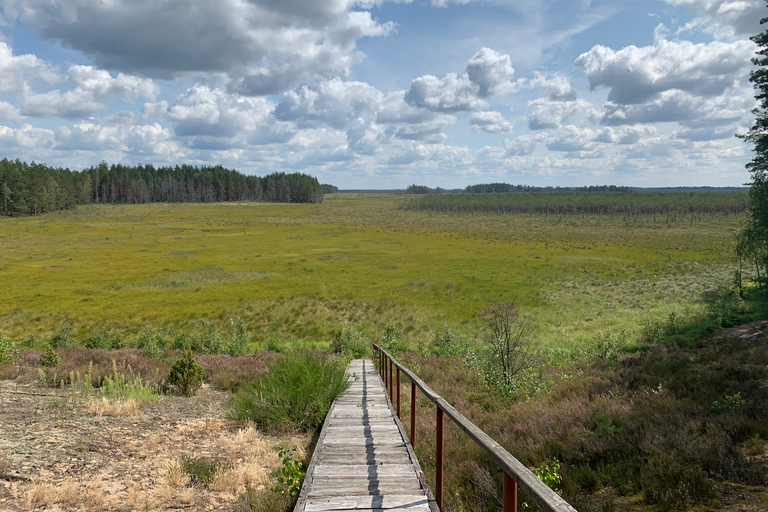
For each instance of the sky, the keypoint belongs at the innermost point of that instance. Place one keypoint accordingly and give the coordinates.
(382, 94)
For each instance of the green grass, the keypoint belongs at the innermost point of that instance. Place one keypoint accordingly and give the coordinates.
(296, 393)
(306, 272)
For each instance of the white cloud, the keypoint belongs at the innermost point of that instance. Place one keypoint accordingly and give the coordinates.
(449, 94)
(490, 71)
(725, 18)
(28, 137)
(262, 45)
(10, 113)
(92, 86)
(139, 140)
(16, 70)
(334, 102)
(489, 122)
(681, 107)
(548, 114)
(412, 123)
(487, 74)
(206, 111)
(635, 75)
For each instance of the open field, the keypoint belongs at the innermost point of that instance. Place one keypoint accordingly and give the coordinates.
(306, 271)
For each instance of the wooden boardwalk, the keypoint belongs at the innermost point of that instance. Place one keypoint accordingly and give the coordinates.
(363, 461)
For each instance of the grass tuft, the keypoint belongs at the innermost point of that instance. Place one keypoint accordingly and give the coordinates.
(296, 393)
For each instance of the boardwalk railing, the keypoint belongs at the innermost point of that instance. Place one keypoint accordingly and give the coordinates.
(515, 473)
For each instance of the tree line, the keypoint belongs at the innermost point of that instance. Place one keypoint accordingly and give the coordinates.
(506, 188)
(670, 206)
(29, 189)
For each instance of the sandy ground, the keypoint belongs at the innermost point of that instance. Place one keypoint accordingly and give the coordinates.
(55, 455)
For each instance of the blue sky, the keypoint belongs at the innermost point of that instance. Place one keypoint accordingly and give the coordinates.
(383, 94)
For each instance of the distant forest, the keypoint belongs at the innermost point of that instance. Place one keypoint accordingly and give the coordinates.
(506, 188)
(28, 189)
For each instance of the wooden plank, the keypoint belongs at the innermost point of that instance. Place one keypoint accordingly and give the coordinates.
(411, 503)
(362, 461)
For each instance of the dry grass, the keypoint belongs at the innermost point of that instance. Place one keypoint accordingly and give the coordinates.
(106, 407)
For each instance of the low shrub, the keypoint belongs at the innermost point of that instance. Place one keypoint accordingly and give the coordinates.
(231, 373)
(186, 374)
(50, 358)
(352, 343)
(263, 500)
(9, 350)
(296, 392)
(63, 337)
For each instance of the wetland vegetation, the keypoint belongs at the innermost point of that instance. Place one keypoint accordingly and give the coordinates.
(629, 404)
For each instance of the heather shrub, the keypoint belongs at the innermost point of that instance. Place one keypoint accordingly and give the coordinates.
(296, 393)
(231, 373)
(186, 374)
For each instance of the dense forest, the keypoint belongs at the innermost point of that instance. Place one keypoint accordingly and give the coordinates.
(668, 205)
(37, 188)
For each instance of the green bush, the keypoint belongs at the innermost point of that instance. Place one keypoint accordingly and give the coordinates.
(296, 393)
(9, 350)
(50, 358)
(187, 374)
(292, 473)
(351, 342)
(447, 343)
(98, 339)
(63, 338)
(238, 343)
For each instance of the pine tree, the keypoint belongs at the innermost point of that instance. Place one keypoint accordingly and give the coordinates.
(757, 224)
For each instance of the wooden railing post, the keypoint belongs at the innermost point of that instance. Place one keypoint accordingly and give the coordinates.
(398, 395)
(391, 380)
(439, 459)
(510, 494)
(413, 414)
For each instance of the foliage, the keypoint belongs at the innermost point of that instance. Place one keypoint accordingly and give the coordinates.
(296, 393)
(253, 500)
(292, 472)
(549, 473)
(9, 350)
(186, 374)
(753, 243)
(98, 339)
(50, 358)
(238, 343)
(124, 384)
(201, 469)
(507, 337)
(351, 342)
(729, 403)
(27, 189)
(447, 343)
(63, 338)
(392, 339)
(666, 206)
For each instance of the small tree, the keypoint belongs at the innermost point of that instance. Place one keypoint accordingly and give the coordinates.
(507, 336)
(187, 374)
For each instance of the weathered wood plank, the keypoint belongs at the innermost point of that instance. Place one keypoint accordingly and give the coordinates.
(362, 462)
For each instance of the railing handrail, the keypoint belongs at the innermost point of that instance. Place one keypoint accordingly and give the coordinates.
(534, 488)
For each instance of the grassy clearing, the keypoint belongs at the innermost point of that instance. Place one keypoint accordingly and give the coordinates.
(295, 273)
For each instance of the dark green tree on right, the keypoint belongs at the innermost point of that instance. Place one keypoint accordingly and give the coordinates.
(753, 240)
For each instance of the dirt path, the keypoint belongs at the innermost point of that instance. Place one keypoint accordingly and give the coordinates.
(54, 455)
